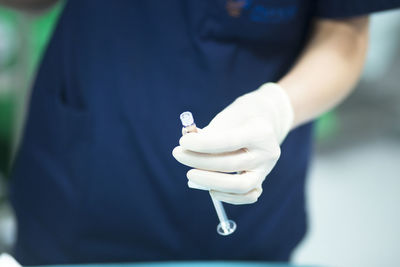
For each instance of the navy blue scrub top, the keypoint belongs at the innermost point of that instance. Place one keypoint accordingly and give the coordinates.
(95, 181)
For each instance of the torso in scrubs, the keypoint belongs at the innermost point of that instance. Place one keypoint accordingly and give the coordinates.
(94, 179)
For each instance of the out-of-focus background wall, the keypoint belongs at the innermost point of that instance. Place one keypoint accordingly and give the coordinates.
(23, 38)
(353, 190)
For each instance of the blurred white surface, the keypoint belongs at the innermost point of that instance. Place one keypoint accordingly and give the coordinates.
(7, 230)
(8, 261)
(384, 45)
(353, 199)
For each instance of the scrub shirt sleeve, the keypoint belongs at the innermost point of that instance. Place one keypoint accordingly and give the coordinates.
(351, 8)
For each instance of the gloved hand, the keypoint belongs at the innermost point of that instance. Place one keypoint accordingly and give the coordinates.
(233, 154)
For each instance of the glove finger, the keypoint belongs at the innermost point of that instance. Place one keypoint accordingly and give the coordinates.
(237, 199)
(241, 160)
(196, 186)
(210, 140)
(238, 183)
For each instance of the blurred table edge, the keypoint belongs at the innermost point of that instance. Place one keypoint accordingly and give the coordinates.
(181, 264)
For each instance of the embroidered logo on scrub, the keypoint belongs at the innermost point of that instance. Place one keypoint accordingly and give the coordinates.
(235, 7)
(257, 12)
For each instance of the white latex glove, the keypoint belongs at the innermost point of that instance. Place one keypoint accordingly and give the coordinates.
(233, 154)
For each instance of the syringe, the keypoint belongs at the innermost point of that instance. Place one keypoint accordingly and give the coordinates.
(225, 226)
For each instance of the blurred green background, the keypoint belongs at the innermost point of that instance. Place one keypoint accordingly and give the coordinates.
(23, 39)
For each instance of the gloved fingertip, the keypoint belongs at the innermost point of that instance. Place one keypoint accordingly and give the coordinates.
(197, 141)
(176, 152)
(189, 174)
(186, 141)
(192, 185)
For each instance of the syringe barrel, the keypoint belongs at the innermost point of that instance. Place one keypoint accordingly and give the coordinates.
(219, 208)
(226, 226)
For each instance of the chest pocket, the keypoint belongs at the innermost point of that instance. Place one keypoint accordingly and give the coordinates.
(251, 20)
